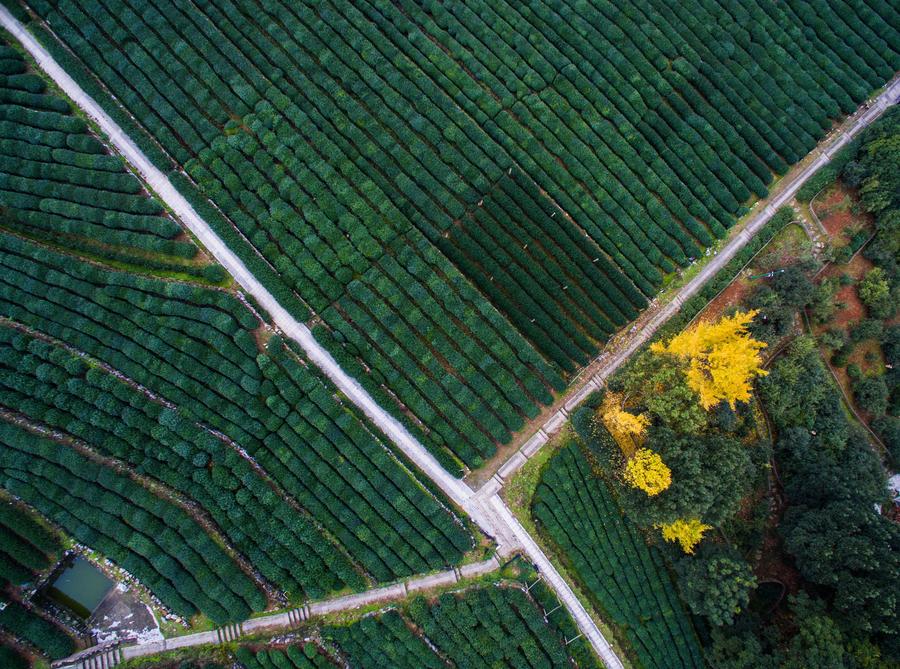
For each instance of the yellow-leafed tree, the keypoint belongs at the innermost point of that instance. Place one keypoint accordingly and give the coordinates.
(688, 533)
(626, 428)
(722, 358)
(647, 471)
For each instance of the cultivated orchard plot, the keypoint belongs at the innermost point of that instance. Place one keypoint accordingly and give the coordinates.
(562, 156)
(499, 626)
(195, 347)
(146, 535)
(547, 277)
(27, 548)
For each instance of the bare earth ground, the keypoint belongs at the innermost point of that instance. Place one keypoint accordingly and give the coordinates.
(786, 247)
(121, 615)
(833, 207)
(851, 311)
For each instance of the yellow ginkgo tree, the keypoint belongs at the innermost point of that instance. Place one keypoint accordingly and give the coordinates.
(644, 469)
(626, 428)
(688, 533)
(722, 358)
(647, 471)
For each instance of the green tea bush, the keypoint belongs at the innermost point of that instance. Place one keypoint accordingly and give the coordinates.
(24, 623)
(611, 561)
(399, 121)
(195, 348)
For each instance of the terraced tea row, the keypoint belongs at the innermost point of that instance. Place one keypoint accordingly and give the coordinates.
(347, 136)
(37, 631)
(195, 347)
(152, 538)
(27, 548)
(498, 626)
(58, 184)
(608, 557)
(188, 387)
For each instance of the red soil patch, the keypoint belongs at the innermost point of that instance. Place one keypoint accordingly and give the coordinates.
(733, 295)
(857, 268)
(783, 250)
(834, 209)
(892, 511)
(854, 310)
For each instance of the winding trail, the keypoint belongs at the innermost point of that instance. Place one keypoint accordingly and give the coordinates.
(485, 507)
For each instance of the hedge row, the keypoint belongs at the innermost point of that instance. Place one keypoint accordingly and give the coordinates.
(489, 626)
(554, 284)
(27, 625)
(59, 389)
(613, 564)
(58, 182)
(486, 379)
(26, 546)
(148, 536)
(330, 136)
(291, 657)
(828, 174)
(195, 347)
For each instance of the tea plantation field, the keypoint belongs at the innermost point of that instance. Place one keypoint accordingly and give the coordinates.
(608, 556)
(156, 418)
(489, 625)
(466, 199)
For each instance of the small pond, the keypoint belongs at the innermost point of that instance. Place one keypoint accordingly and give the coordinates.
(80, 587)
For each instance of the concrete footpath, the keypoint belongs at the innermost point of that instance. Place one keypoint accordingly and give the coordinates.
(108, 655)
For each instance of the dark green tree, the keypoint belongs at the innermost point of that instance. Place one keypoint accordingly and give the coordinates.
(875, 291)
(711, 472)
(871, 394)
(716, 582)
(663, 389)
(738, 650)
(856, 552)
(818, 643)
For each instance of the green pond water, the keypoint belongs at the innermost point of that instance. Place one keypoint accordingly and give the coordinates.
(80, 588)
